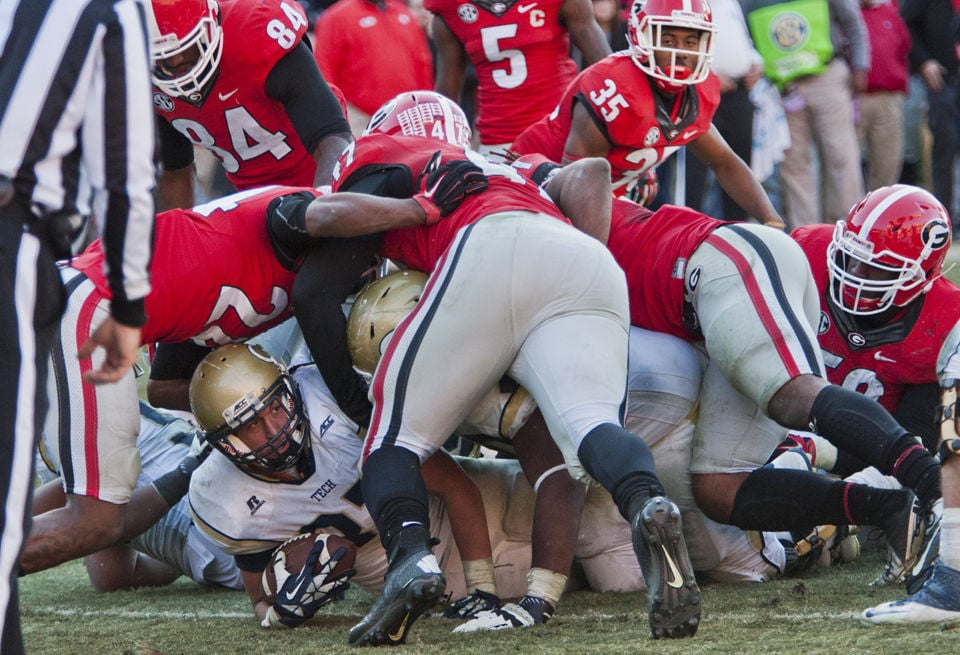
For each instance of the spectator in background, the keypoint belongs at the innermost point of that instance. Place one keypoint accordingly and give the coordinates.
(521, 53)
(738, 66)
(933, 55)
(880, 126)
(611, 17)
(373, 50)
(818, 55)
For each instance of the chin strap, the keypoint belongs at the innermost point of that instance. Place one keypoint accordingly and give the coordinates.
(947, 415)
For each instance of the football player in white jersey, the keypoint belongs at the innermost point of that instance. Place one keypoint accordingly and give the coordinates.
(170, 548)
(239, 496)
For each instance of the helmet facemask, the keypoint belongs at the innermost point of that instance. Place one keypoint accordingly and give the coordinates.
(205, 37)
(648, 20)
(864, 296)
(280, 452)
(902, 233)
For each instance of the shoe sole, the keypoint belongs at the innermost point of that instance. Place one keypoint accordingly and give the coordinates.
(393, 625)
(674, 598)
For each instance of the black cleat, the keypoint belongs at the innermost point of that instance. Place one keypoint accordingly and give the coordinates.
(412, 587)
(672, 591)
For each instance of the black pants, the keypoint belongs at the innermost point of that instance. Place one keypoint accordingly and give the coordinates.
(734, 121)
(31, 304)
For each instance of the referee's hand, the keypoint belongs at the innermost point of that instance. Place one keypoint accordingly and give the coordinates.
(121, 343)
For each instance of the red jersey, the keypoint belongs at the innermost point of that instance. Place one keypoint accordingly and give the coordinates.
(216, 278)
(421, 247)
(653, 248)
(642, 131)
(372, 54)
(521, 57)
(247, 130)
(879, 361)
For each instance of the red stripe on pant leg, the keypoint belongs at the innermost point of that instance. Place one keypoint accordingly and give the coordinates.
(89, 394)
(380, 371)
(759, 302)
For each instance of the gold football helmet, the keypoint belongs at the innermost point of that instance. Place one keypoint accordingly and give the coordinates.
(376, 312)
(229, 388)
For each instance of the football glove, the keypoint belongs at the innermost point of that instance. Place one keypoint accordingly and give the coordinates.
(301, 595)
(287, 227)
(444, 187)
(469, 606)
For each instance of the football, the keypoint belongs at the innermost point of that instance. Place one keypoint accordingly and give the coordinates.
(291, 556)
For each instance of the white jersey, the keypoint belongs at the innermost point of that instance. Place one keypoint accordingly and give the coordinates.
(246, 515)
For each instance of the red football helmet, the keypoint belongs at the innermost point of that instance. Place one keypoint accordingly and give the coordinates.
(180, 26)
(422, 113)
(648, 18)
(900, 231)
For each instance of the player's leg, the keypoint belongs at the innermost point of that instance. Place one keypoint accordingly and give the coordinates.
(91, 433)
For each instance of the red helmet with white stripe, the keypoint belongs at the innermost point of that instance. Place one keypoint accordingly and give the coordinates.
(889, 250)
(422, 113)
(182, 25)
(645, 27)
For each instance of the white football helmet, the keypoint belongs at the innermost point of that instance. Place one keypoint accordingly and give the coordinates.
(375, 314)
(180, 26)
(648, 19)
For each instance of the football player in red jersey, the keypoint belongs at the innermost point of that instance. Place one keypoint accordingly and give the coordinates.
(237, 77)
(511, 284)
(639, 106)
(724, 286)
(221, 278)
(890, 328)
(744, 290)
(521, 54)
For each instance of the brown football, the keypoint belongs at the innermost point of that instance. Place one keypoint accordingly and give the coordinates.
(292, 556)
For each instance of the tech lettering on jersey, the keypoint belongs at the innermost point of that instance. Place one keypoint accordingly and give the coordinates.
(324, 490)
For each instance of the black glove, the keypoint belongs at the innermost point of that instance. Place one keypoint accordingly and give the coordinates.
(301, 595)
(469, 606)
(444, 187)
(287, 227)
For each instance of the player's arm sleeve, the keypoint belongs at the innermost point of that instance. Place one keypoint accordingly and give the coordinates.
(176, 151)
(117, 142)
(916, 412)
(311, 106)
(173, 361)
(253, 562)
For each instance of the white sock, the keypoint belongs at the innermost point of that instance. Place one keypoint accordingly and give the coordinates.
(950, 537)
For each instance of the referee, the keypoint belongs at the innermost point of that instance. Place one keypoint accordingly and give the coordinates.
(76, 128)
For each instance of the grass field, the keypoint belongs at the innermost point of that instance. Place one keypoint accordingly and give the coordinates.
(817, 613)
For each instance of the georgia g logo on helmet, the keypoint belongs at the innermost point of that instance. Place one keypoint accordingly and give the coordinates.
(935, 234)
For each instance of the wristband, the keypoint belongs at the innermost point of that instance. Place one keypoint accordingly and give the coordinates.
(429, 208)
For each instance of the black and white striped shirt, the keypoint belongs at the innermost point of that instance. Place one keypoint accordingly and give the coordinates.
(76, 116)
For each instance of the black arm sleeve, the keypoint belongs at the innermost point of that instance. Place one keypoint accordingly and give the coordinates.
(296, 81)
(253, 562)
(176, 361)
(328, 275)
(176, 151)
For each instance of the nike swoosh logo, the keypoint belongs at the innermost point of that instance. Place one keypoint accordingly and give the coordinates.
(297, 591)
(428, 193)
(525, 8)
(226, 96)
(397, 635)
(675, 580)
(688, 134)
(880, 358)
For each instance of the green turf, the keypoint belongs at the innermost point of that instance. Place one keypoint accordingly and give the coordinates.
(813, 614)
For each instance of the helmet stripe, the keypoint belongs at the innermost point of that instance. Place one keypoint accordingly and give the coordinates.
(882, 207)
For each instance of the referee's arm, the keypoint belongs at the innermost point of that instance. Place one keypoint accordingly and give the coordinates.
(118, 149)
